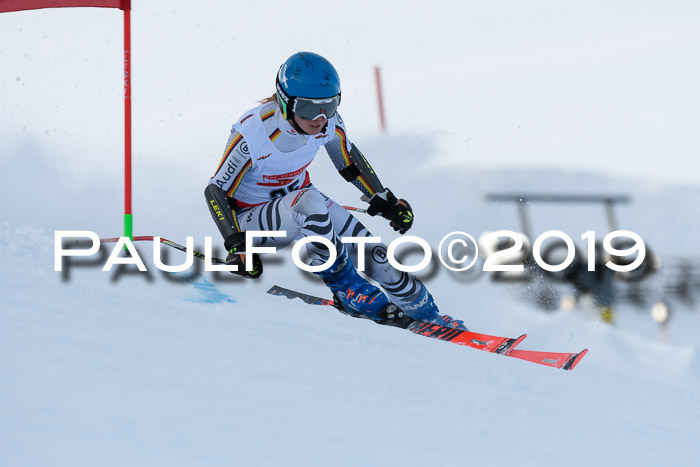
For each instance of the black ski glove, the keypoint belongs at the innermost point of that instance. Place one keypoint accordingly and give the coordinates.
(235, 246)
(398, 211)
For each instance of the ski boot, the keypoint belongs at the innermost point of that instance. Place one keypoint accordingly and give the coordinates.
(424, 309)
(355, 296)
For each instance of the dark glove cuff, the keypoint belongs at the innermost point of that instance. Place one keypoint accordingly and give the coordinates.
(235, 240)
(379, 203)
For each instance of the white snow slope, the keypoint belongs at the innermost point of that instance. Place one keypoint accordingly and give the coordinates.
(137, 369)
(144, 369)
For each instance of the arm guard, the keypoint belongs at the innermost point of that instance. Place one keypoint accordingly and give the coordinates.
(220, 210)
(360, 173)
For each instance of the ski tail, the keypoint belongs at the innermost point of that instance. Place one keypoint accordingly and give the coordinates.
(290, 294)
(565, 361)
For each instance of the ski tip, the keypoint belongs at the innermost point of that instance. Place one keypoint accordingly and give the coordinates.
(574, 360)
(509, 344)
(518, 341)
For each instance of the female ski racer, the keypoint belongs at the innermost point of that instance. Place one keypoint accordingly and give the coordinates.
(262, 183)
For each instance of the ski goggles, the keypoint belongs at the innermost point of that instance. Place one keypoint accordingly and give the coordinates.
(311, 109)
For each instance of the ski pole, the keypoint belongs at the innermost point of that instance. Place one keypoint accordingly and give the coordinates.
(352, 208)
(170, 243)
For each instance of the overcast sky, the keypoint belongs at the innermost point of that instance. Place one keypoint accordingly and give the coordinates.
(601, 86)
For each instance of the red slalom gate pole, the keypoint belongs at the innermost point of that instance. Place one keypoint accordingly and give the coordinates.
(128, 219)
(125, 5)
(380, 99)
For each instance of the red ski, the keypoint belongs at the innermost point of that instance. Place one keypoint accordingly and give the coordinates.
(495, 344)
(565, 361)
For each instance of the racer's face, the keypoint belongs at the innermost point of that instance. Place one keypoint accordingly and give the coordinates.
(312, 127)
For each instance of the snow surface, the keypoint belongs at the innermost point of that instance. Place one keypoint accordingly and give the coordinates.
(129, 368)
(102, 369)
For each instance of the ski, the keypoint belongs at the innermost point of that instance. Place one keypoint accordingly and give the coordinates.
(310, 299)
(495, 344)
(565, 361)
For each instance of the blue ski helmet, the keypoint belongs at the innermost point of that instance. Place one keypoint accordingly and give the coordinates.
(308, 85)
